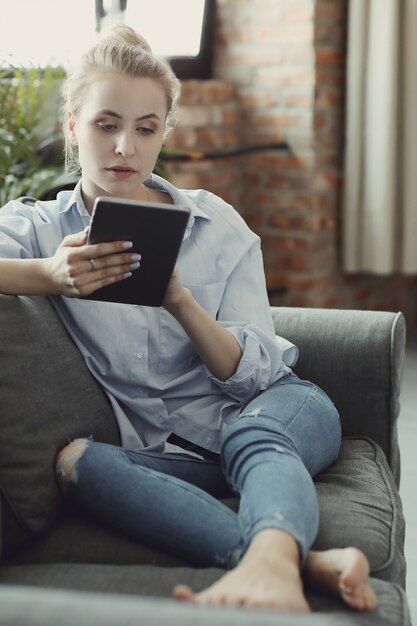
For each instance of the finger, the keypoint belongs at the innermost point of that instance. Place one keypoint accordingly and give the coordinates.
(93, 285)
(89, 278)
(93, 251)
(77, 239)
(119, 260)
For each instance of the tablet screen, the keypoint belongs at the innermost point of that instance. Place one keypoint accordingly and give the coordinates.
(156, 230)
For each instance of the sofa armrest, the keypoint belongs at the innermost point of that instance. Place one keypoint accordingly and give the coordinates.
(357, 358)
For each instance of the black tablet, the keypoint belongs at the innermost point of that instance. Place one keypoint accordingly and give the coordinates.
(156, 230)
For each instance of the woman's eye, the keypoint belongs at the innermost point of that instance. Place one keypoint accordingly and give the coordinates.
(146, 131)
(107, 127)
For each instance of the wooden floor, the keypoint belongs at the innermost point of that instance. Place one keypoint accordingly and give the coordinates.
(408, 490)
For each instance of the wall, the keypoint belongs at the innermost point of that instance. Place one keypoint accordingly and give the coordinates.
(280, 75)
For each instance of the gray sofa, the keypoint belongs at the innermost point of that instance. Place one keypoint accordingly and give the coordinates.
(60, 567)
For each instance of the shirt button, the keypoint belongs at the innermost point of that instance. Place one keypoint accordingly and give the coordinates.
(161, 420)
(263, 387)
(139, 355)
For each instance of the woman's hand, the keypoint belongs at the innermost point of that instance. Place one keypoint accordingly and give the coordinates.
(78, 269)
(217, 347)
(175, 291)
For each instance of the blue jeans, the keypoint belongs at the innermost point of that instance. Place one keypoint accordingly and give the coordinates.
(282, 438)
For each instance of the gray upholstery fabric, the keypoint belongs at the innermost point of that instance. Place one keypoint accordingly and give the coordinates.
(359, 506)
(47, 398)
(32, 606)
(356, 357)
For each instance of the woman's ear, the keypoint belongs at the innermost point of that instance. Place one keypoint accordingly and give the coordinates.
(71, 128)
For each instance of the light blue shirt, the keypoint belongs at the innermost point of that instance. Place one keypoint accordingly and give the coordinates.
(149, 369)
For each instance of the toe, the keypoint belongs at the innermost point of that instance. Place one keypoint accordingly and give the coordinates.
(183, 592)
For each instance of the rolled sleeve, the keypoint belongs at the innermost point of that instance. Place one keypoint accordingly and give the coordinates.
(262, 363)
(17, 234)
(266, 357)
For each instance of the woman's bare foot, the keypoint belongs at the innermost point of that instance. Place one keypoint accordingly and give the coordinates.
(268, 576)
(343, 572)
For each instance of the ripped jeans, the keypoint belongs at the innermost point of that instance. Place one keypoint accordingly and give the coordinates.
(282, 438)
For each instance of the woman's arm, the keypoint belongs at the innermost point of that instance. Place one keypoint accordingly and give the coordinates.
(217, 347)
(239, 348)
(70, 271)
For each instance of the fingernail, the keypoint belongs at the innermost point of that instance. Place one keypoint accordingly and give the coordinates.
(136, 257)
(127, 244)
(134, 266)
(127, 275)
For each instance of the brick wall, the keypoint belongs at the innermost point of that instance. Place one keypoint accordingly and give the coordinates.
(280, 75)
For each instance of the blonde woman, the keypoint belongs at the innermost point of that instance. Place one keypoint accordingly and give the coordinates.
(203, 391)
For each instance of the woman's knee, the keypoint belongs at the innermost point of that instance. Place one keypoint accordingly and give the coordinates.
(67, 458)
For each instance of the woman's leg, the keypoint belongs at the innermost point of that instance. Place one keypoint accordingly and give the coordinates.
(161, 499)
(283, 438)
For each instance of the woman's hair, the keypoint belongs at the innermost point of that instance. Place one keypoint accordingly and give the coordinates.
(121, 51)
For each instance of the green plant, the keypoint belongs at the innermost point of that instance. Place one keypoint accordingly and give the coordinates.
(31, 147)
(28, 115)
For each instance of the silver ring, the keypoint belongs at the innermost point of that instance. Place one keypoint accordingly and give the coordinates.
(93, 265)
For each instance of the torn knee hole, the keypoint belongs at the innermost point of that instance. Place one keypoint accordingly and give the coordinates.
(67, 458)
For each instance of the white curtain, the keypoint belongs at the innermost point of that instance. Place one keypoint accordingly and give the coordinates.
(380, 177)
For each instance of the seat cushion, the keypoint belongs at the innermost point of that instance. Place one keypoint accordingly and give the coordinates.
(27, 597)
(359, 506)
(47, 399)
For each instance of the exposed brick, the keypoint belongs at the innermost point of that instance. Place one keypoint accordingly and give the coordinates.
(301, 12)
(329, 56)
(213, 91)
(288, 222)
(254, 219)
(301, 32)
(298, 100)
(280, 74)
(281, 120)
(299, 262)
(209, 138)
(190, 92)
(226, 114)
(284, 160)
(182, 138)
(275, 280)
(329, 97)
(331, 11)
(194, 116)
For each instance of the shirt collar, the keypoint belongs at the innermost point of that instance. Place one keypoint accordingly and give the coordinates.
(75, 200)
(178, 195)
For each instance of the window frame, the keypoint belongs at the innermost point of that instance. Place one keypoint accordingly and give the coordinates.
(201, 65)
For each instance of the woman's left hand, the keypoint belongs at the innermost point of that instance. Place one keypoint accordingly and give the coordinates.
(175, 290)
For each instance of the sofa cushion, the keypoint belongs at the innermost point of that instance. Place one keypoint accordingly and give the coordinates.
(361, 376)
(110, 596)
(359, 506)
(46, 400)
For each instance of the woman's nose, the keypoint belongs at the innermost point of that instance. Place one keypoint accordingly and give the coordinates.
(125, 145)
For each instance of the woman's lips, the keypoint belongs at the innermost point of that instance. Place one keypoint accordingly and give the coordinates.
(121, 172)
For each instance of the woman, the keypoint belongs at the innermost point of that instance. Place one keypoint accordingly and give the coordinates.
(202, 389)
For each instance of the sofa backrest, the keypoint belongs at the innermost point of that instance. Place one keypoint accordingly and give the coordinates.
(47, 398)
(357, 358)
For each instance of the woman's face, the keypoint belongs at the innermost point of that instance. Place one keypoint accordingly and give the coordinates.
(119, 131)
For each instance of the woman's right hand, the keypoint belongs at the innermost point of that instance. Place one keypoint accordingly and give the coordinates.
(78, 269)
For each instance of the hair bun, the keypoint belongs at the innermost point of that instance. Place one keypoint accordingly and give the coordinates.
(125, 34)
